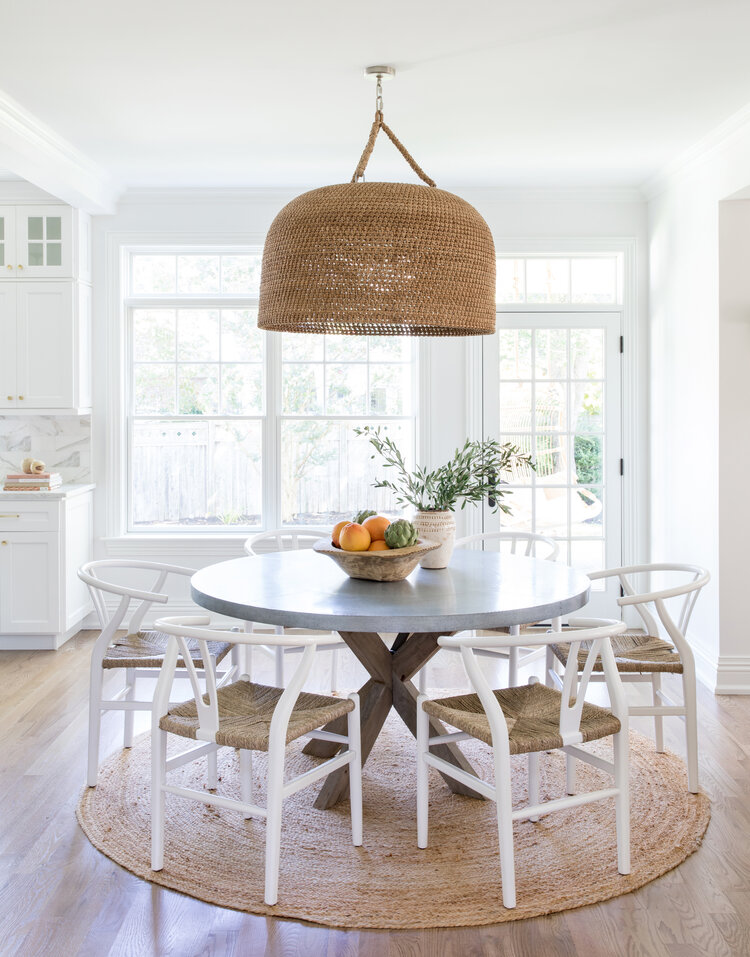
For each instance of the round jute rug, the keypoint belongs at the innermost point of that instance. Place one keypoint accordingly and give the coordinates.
(565, 860)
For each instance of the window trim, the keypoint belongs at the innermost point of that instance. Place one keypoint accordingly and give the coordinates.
(119, 247)
(634, 401)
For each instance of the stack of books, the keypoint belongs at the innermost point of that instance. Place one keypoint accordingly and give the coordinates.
(32, 482)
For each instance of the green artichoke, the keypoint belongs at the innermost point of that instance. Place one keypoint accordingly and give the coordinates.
(361, 516)
(400, 534)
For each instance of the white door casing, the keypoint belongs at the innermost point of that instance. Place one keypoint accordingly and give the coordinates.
(552, 385)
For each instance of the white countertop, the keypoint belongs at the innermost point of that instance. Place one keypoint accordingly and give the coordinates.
(62, 491)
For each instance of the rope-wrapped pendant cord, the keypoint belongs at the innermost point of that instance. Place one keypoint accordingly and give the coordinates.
(378, 125)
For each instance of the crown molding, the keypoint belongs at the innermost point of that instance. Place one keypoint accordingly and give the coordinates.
(34, 151)
(277, 195)
(527, 194)
(712, 144)
(208, 195)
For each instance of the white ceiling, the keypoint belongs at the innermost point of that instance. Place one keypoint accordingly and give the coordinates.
(540, 93)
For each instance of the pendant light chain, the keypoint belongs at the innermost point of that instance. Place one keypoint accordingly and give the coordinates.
(378, 125)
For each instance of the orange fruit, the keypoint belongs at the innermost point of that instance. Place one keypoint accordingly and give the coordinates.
(376, 526)
(354, 538)
(378, 545)
(337, 531)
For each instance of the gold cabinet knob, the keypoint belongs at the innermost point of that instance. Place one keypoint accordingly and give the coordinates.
(20, 397)
(10, 398)
(3, 543)
(10, 266)
(20, 266)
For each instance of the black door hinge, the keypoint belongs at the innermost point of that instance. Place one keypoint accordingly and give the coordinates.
(622, 344)
(622, 466)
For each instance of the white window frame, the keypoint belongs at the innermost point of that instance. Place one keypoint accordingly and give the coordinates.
(634, 439)
(119, 248)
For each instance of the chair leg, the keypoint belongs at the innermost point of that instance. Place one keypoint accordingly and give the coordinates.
(514, 631)
(246, 780)
(158, 780)
(355, 771)
(533, 758)
(213, 770)
(570, 774)
(95, 723)
(423, 734)
(549, 665)
(622, 801)
(658, 719)
(279, 676)
(273, 824)
(422, 680)
(334, 670)
(691, 730)
(246, 656)
(127, 740)
(505, 832)
(512, 667)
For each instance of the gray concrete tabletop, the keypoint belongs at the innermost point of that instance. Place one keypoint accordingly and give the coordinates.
(303, 589)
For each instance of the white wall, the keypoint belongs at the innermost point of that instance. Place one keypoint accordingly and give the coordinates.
(734, 447)
(243, 216)
(687, 365)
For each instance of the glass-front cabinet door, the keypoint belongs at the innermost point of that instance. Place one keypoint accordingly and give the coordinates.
(43, 243)
(7, 242)
(36, 242)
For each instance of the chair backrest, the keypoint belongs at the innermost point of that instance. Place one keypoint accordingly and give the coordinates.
(653, 605)
(593, 636)
(517, 543)
(97, 576)
(206, 699)
(285, 539)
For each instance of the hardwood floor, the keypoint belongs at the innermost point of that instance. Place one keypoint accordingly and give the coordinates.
(60, 897)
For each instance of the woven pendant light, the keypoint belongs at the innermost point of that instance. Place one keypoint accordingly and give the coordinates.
(379, 259)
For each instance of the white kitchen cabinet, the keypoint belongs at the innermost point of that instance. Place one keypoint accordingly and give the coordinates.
(45, 360)
(44, 538)
(44, 242)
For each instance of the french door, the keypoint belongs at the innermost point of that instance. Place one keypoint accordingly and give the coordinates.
(551, 386)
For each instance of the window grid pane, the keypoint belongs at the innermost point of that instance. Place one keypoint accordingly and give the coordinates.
(559, 279)
(197, 435)
(327, 471)
(552, 405)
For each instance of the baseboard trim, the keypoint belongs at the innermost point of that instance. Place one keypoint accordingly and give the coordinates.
(39, 642)
(733, 675)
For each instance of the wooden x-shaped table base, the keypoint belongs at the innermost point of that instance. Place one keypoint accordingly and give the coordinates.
(389, 686)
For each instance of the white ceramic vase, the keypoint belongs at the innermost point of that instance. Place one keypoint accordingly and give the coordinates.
(437, 527)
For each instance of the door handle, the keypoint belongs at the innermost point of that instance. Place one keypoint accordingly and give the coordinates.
(9, 515)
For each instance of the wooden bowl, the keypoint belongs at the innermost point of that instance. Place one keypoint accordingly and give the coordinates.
(392, 565)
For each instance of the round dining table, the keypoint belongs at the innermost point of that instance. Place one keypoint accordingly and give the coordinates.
(304, 589)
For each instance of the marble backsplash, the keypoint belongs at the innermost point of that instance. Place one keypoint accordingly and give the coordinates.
(62, 442)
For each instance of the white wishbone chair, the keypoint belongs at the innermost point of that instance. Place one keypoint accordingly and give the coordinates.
(292, 539)
(139, 653)
(249, 717)
(646, 657)
(527, 720)
(514, 543)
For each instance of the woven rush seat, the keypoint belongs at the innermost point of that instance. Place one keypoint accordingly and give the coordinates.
(146, 649)
(245, 712)
(633, 653)
(532, 713)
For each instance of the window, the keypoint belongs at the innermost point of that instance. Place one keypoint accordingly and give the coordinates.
(552, 386)
(560, 279)
(229, 426)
